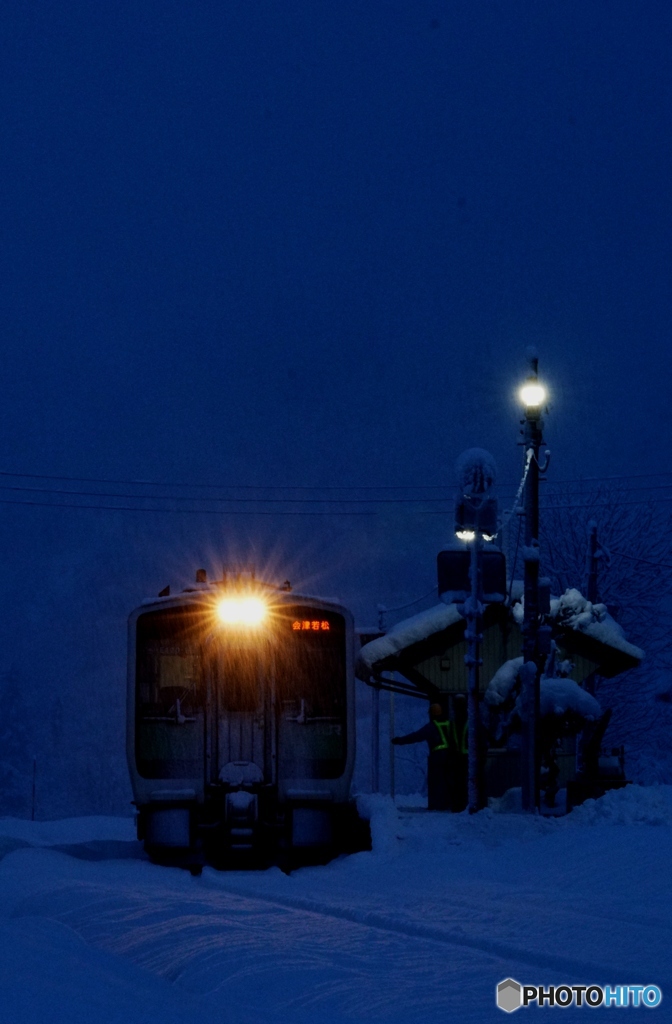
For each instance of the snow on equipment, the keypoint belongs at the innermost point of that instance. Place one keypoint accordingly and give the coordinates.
(241, 725)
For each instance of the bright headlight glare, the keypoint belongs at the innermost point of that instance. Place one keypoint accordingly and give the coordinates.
(241, 611)
(532, 394)
(465, 534)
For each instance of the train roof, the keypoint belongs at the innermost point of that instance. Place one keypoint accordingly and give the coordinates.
(199, 592)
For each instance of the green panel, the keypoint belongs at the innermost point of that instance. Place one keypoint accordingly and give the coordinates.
(167, 750)
(447, 669)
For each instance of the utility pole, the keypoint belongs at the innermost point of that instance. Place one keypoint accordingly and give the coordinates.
(475, 519)
(533, 396)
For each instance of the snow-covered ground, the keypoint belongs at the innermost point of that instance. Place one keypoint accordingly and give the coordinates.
(421, 929)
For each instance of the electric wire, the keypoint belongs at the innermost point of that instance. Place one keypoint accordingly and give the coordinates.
(553, 499)
(183, 497)
(290, 512)
(318, 501)
(326, 487)
(187, 511)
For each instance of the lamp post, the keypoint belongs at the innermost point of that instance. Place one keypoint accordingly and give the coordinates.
(475, 520)
(533, 396)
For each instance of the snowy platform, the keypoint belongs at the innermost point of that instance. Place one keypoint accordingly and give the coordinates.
(420, 929)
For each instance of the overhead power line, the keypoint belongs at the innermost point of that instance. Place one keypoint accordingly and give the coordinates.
(222, 487)
(254, 503)
(605, 504)
(185, 511)
(444, 488)
(267, 512)
(187, 497)
(71, 492)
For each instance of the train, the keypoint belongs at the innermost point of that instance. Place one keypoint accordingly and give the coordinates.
(241, 725)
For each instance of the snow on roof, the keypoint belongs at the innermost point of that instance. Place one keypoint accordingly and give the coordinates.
(572, 610)
(409, 631)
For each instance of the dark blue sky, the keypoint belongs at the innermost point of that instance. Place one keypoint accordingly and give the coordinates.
(307, 243)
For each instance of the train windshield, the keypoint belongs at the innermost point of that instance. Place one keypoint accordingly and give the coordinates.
(311, 693)
(241, 695)
(170, 694)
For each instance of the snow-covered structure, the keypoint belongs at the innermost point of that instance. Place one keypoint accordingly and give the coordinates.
(428, 650)
(431, 644)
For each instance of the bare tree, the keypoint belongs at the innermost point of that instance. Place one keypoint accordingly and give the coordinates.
(634, 557)
(634, 580)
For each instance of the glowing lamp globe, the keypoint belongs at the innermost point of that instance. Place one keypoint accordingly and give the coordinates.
(532, 394)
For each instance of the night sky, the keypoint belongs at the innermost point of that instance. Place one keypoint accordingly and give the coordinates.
(307, 244)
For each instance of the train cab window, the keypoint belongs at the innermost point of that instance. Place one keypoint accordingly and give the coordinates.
(311, 690)
(169, 693)
(177, 672)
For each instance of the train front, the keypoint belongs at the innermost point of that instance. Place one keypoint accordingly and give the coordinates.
(241, 724)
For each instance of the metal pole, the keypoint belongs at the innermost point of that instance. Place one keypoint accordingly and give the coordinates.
(375, 739)
(531, 675)
(392, 794)
(474, 610)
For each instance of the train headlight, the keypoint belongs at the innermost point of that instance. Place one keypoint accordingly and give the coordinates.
(241, 611)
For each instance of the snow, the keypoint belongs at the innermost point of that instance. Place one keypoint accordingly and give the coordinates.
(634, 805)
(476, 472)
(503, 682)
(68, 830)
(558, 696)
(420, 929)
(572, 610)
(409, 631)
(575, 611)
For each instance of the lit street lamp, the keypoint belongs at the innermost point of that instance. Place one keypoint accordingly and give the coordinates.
(532, 394)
